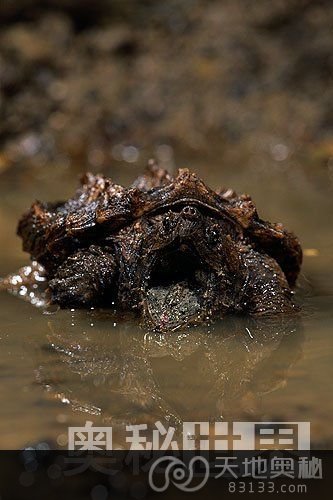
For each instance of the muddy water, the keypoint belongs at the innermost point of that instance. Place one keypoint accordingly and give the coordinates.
(61, 368)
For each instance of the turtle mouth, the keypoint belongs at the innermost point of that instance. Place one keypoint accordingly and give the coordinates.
(177, 288)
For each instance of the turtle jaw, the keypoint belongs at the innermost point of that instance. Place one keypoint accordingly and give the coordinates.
(176, 291)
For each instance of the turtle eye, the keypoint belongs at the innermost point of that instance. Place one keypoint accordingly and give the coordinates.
(212, 235)
(166, 223)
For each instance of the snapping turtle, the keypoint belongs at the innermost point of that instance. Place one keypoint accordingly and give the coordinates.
(168, 247)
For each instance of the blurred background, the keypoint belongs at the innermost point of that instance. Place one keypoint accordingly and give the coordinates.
(86, 83)
(238, 90)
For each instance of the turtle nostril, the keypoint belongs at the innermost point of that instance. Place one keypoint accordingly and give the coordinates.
(189, 212)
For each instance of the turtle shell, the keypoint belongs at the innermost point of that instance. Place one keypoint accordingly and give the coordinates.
(53, 231)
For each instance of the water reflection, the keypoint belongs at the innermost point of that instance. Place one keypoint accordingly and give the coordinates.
(122, 374)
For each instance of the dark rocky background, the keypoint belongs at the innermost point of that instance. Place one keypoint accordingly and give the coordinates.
(85, 83)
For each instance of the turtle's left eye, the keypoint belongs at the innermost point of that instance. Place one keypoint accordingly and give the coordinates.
(212, 235)
(166, 223)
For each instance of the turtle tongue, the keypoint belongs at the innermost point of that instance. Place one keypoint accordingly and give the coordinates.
(173, 306)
